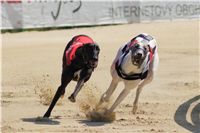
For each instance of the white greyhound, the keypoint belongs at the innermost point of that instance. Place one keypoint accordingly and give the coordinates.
(135, 65)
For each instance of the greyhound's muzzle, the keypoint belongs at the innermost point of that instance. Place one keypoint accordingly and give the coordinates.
(93, 63)
(138, 57)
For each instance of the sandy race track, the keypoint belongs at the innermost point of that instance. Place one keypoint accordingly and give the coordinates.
(31, 68)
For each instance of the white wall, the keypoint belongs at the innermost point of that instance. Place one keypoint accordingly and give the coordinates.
(37, 14)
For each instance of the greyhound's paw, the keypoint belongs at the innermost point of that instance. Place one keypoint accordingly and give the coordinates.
(46, 115)
(72, 99)
(107, 112)
(134, 110)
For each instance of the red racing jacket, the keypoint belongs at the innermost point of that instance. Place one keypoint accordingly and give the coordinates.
(77, 42)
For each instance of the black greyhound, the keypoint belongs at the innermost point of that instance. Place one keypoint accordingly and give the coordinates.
(80, 58)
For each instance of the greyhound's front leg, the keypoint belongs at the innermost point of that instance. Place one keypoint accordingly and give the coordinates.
(78, 87)
(135, 104)
(65, 79)
(85, 75)
(139, 89)
(106, 96)
(119, 99)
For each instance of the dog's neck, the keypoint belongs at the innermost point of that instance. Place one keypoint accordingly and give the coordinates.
(128, 67)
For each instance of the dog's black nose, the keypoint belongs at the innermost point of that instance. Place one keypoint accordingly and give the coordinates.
(139, 55)
(93, 63)
(94, 59)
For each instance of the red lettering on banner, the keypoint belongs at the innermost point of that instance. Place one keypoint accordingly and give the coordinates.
(11, 1)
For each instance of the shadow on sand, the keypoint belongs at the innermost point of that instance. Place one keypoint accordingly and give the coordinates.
(181, 112)
(41, 120)
(92, 123)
